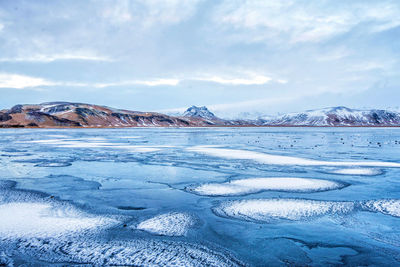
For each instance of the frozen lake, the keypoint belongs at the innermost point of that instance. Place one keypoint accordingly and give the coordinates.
(200, 196)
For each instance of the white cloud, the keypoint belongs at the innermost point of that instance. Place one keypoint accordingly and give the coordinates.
(245, 105)
(156, 82)
(169, 11)
(236, 77)
(118, 12)
(148, 12)
(54, 57)
(17, 81)
(245, 78)
(281, 81)
(254, 79)
(298, 21)
(333, 54)
(371, 65)
(21, 81)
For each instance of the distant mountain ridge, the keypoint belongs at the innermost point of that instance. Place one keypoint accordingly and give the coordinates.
(67, 114)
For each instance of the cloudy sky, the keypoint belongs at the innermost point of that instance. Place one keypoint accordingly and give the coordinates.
(233, 56)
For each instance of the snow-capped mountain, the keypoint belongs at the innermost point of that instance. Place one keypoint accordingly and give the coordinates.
(199, 112)
(66, 114)
(335, 116)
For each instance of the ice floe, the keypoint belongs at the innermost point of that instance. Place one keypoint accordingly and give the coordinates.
(269, 210)
(385, 206)
(282, 160)
(255, 185)
(357, 171)
(169, 224)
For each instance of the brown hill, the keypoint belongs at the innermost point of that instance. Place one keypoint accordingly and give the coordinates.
(65, 114)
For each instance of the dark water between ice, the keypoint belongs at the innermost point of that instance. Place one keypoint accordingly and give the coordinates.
(128, 196)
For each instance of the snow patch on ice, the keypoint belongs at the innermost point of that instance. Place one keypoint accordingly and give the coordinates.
(82, 144)
(282, 160)
(169, 224)
(357, 171)
(89, 144)
(92, 139)
(57, 136)
(385, 206)
(256, 185)
(140, 149)
(35, 219)
(269, 210)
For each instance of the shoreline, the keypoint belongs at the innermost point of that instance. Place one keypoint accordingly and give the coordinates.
(214, 126)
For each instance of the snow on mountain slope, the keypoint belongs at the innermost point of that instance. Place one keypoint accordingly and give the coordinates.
(336, 116)
(199, 112)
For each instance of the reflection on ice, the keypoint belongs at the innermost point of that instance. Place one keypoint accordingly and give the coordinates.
(169, 224)
(281, 160)
(255, 185)
(269, 210)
